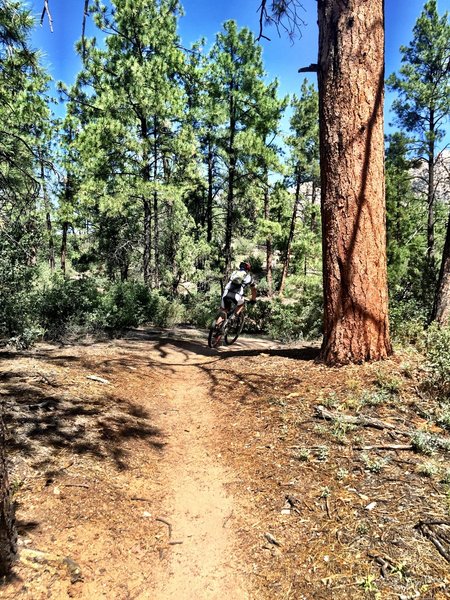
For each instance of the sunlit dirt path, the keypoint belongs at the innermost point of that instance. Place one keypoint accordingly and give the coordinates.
(118, 468)
(198, 508)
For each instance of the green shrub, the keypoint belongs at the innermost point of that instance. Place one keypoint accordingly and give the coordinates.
(301, 319)
(65, 303)
(124, 304)
(169, 312)
(407, 321)
(438, 359)
(202, 309)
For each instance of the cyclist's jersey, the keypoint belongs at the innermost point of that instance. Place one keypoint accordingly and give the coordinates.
(239, 281)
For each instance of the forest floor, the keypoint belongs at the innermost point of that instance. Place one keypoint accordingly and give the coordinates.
(151, 467)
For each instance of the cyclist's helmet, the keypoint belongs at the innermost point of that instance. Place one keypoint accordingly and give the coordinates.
(246, 266)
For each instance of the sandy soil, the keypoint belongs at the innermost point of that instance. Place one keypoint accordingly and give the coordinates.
(154, 467)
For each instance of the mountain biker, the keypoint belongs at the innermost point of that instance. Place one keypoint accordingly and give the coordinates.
(234, 291)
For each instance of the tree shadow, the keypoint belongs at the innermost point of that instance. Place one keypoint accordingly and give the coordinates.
(42, 423)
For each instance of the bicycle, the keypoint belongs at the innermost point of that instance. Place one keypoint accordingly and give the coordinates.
(229, 329)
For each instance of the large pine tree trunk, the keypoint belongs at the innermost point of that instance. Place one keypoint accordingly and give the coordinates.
(441, 309)
(351, 80)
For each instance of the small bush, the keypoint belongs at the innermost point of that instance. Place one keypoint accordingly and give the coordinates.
(438, 359)
(407, 321)
(124, 304)
(301, 319)
(67, 302)
(201, 309)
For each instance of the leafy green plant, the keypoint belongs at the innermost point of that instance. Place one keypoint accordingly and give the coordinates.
(374, 397)
(322, 453)
(423, 443)
(427, 469)
(374, 465)
(341, 474)
(303, 454)
(388, 383)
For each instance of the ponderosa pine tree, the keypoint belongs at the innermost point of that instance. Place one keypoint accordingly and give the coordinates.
(441, 307)
(247, 103)
(304, 159)
(351, 93)
(131, 141)
(23, 115)
(423, 85)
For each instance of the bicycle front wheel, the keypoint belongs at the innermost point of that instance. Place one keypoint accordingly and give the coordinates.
(214, 336)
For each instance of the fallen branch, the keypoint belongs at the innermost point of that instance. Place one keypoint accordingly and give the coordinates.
(330, 415)
(269, 537)
(386, 447)
(161, 520)
(436, 538)
(227, 518)
(81, 485)
(385, 562)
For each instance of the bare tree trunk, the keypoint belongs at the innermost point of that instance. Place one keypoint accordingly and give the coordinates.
(269, 247)
(65, 229)
(431, 195)
(51, 245)
(441, 308)
(147, 241)
(145, 170)
(48, 219)
(287, 259)
(351, 94)
(209, 206)
(155, 207)
(8, 535)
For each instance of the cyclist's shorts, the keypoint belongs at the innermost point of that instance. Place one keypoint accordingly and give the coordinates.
(230, 299)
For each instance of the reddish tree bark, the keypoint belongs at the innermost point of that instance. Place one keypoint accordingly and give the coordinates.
(441, 309)
(351, 94)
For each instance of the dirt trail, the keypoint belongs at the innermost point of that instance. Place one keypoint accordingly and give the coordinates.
(113, 475)
(199, 509)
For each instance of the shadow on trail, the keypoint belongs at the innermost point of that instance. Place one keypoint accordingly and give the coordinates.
(305, 353)
(42, 422)
(243, 347)
(48, 414)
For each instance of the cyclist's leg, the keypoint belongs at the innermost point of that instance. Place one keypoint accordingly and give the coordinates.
(240, 304)
(223, 311)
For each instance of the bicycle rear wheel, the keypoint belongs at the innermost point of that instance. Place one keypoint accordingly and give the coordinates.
(234, 330)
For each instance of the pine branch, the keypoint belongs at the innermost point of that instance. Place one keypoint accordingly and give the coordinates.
(46, 9)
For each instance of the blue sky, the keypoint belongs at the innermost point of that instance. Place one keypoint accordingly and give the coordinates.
(204, 18)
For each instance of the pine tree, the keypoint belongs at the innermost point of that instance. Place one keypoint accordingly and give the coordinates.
(247, 107)
(133, 142)
(23, 117)
(423, 86)
(351, 82)
(304, 160)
